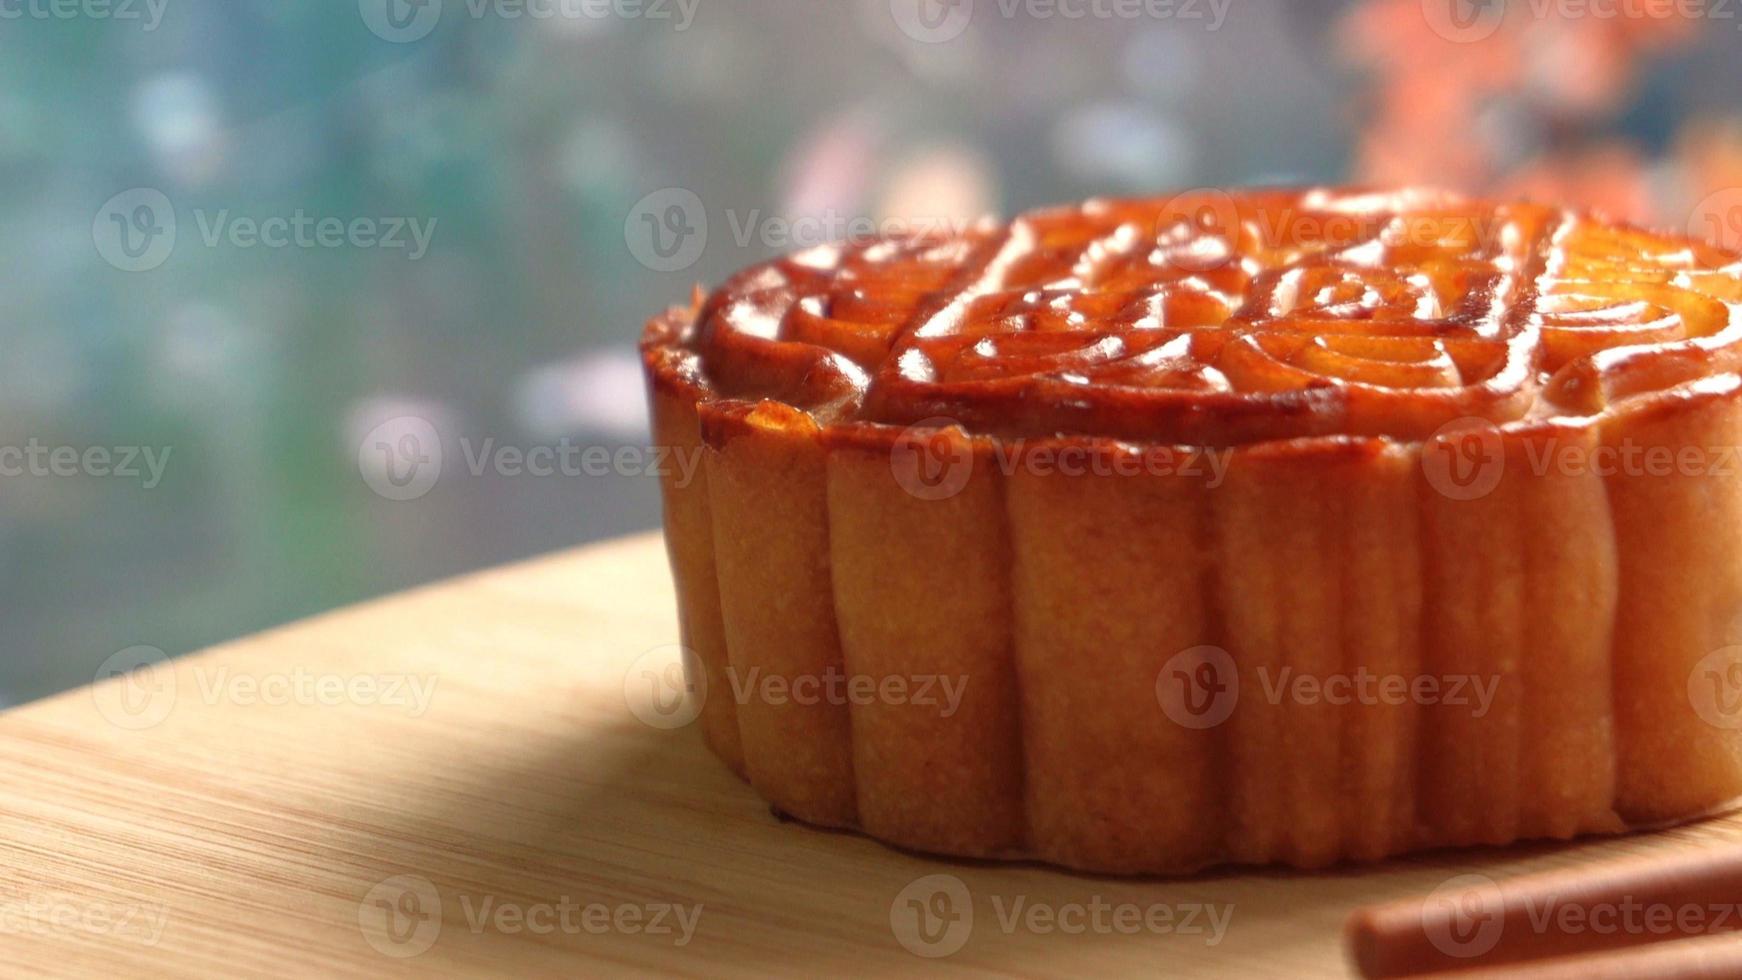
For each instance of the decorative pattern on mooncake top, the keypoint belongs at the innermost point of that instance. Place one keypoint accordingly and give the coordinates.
(1215, 319)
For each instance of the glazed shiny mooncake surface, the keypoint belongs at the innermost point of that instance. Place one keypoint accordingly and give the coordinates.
(1254, 527)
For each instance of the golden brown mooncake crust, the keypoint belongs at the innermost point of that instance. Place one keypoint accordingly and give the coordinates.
(1067, 462)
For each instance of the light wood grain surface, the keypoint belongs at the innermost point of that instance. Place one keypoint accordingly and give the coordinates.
(457, 781)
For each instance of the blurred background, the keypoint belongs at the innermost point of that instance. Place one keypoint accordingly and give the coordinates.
(311, 302)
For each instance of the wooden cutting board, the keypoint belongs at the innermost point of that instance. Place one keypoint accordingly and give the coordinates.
(458, 780)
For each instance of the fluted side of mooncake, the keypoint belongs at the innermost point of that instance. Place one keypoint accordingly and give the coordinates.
(1574, 607)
